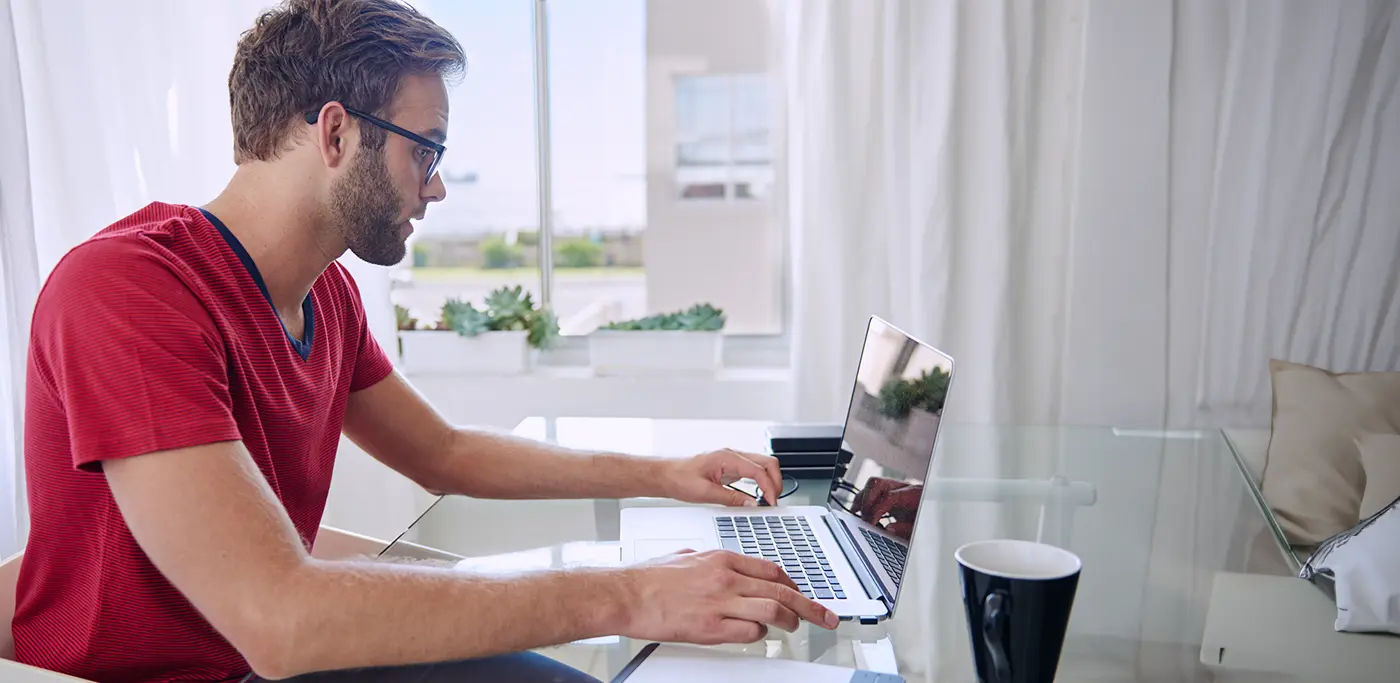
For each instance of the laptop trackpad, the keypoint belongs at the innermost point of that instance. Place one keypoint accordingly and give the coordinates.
(656, 547)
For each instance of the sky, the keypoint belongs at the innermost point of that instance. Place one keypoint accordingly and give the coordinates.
(597, 66)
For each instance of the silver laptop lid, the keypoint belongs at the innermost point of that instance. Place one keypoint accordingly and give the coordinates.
(890, 435)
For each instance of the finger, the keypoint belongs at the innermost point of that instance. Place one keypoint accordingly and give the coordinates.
(805, 608)
(905, 498)
(901, 529)
(748, 468)
(736, 498)
(770, 465)
(739, 631)
(763, 611)
(872, 499)
(757, 568)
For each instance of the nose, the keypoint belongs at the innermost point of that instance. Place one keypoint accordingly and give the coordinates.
(435, 190)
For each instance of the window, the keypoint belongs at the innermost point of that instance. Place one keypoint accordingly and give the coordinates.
(631, 124)
(597, 103)
(485, 234)
(722, 133)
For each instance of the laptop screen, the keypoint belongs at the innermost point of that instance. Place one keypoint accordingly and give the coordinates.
(890, 434)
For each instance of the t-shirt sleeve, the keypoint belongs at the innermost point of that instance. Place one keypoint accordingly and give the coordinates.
(131, 354)
(372, 365)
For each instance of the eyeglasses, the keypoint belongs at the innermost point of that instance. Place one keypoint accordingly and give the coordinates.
(436, 148)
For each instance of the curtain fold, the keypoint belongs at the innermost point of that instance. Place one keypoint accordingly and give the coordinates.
(1109, 214)
(19, 284)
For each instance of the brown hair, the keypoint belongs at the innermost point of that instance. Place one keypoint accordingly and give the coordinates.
(304, 53)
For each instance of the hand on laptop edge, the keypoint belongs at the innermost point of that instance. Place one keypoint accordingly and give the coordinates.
(703, 478)
(715, 597)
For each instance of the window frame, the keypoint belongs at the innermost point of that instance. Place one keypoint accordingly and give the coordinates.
(739, 350)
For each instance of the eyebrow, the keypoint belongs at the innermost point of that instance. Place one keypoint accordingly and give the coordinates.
(437, 135)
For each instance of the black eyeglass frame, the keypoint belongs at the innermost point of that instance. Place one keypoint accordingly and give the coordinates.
(438, 148)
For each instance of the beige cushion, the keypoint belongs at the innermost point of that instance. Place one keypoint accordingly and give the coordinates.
(1313, 478)
(1380, 457)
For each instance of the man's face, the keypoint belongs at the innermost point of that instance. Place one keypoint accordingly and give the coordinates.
(382, 189)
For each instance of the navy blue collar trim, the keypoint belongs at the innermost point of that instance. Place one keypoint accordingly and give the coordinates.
(303, 348)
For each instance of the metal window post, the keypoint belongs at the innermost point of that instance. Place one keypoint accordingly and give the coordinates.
(542, 149)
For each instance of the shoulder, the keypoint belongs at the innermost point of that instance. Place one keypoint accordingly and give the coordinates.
(156, 239)
(109, 267)
(133, 271)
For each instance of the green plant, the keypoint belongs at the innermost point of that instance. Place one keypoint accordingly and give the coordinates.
(934, 389)
(497, 253)
(927, 391)
(579, 252)
(505, 309)
(697, 318)
(405, 320)
(898, 397)
(420, 255)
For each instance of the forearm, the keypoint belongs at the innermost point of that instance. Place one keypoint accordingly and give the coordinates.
(493, 465)
(338, 615)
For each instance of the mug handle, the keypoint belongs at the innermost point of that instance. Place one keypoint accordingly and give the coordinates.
(996, 609)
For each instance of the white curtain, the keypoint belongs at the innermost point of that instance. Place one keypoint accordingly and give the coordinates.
(1109, 213)
(128, 102)
(19, 282)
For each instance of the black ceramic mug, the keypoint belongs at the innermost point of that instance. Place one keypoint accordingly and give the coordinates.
(1018, 596)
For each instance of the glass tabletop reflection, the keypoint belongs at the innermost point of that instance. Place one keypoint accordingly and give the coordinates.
(1154, 516)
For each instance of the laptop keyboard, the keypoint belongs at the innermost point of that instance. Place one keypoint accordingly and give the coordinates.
(788, 542)
(892, 555)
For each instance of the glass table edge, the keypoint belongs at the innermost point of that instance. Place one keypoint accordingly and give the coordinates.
(1281, 541)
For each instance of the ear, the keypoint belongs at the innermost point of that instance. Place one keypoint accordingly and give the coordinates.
(330, 126)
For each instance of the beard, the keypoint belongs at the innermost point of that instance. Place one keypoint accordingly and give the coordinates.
(366, 208)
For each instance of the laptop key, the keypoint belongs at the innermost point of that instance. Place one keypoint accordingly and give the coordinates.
(731, 544)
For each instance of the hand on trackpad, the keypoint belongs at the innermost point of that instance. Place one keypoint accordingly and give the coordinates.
(656, 547)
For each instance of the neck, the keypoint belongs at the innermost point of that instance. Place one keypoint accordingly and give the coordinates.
(276, 223)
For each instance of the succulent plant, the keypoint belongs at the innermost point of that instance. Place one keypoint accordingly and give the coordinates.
(544, 330)
(404, 320)
(512, 305)
(697, 318)
(464, 319)
(505, 309)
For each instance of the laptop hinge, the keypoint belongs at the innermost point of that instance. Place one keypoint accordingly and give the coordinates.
(860, 565)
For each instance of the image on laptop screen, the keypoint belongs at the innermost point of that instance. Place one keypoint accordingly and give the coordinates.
(891, 430)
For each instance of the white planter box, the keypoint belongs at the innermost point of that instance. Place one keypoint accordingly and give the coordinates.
(654, 352)
(489, 353)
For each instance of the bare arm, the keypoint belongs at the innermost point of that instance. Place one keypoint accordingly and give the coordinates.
(396, 425)
(210, 523)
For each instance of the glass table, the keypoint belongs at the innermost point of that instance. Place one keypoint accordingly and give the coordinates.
(1154, 516)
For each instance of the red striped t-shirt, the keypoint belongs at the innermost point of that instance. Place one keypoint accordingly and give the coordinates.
(157, 334)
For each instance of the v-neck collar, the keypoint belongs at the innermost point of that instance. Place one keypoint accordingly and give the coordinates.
(302, 347)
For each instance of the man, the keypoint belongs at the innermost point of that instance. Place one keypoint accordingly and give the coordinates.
(191, 370)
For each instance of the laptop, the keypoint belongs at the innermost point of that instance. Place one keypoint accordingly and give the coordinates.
(849, 554)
